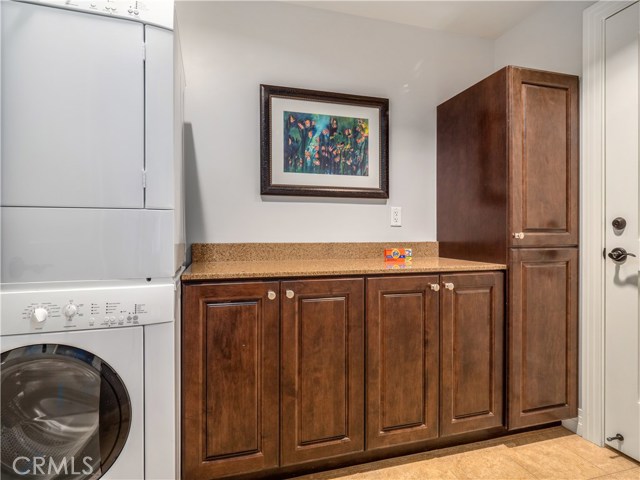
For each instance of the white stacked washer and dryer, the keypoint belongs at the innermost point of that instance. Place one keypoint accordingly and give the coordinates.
(92, 239)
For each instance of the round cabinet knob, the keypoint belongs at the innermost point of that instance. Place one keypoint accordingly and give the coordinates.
(518, 236)
(290, 294)
(39, 315)
(70, 310)
(449, 286)
(435, 287)
(271, 295)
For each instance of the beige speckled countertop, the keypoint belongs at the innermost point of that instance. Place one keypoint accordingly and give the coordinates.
(318, 268)
(234, 261)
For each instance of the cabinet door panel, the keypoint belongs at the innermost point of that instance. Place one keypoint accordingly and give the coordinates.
(322, 369)
(402, 360)
(233, 371)
(230, 379)
(543, 336)
(544, 158)
(472, 329)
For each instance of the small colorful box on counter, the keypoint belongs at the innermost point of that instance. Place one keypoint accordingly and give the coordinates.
(398, 255)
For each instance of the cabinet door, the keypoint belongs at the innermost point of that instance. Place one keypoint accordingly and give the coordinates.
(472, 326)
(543, 335)
(229, 379)
(402, 360)
(322, 379)
(543, 158)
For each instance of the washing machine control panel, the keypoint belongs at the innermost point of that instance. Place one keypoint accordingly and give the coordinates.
(67, 309)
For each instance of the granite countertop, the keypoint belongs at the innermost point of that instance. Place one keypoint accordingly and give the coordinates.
(222, 270)
(236, 261)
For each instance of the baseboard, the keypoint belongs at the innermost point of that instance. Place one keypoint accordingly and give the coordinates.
(574, 424)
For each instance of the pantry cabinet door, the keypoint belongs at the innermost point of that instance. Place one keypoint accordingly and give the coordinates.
(543, 336)
(229, 379)
(543, 159)
(402, 360)
(322, 376)
(472, 332)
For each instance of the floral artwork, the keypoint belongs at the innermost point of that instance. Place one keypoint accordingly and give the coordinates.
(323, 144)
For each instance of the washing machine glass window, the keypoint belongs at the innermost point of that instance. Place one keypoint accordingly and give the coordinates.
(65, 413)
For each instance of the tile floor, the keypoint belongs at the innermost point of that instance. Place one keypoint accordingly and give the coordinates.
(553, 453)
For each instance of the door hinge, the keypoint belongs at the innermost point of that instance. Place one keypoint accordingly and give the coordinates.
(144, 179)
(144, 51)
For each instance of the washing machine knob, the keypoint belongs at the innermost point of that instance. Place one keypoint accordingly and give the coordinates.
(39, 315)
(70, 310)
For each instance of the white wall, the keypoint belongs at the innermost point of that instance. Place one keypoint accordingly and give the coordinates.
(550, 39)
(231, 48)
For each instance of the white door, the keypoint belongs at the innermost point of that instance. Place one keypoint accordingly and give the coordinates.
(622, 360)
(72, 109)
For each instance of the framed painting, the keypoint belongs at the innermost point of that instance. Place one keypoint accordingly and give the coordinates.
(323, 144)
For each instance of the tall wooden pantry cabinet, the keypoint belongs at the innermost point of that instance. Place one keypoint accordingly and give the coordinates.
(508, 193)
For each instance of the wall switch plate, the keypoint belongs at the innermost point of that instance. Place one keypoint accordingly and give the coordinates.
(396, 216)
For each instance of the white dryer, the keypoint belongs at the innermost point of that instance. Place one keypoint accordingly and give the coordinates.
(91, 171)
(88, 382)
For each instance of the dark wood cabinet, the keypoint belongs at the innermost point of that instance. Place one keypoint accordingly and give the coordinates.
(402, 360)
(543, 334)
(322, 364)
(274, 376)
(508, 191)
(435, 352)
(472, 358)
(508, 165)
(472, 185)
(230, 361)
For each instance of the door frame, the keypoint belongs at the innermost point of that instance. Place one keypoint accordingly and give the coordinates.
(592, 236)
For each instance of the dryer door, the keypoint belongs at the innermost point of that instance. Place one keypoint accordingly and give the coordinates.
(65, 413)
(72, 109)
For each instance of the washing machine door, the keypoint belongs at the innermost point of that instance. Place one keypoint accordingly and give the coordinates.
(65, 413)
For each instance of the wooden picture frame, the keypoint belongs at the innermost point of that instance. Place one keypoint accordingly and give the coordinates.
(323, 144)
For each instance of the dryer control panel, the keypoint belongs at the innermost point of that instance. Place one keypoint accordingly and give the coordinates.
(153, 12)
(112, 305)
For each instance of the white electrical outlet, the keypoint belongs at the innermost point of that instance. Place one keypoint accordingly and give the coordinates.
(396, 216)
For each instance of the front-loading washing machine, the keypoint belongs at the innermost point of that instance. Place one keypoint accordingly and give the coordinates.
(77, 364)
(71, 404)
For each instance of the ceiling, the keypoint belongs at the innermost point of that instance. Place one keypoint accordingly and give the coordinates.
(487, 19)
